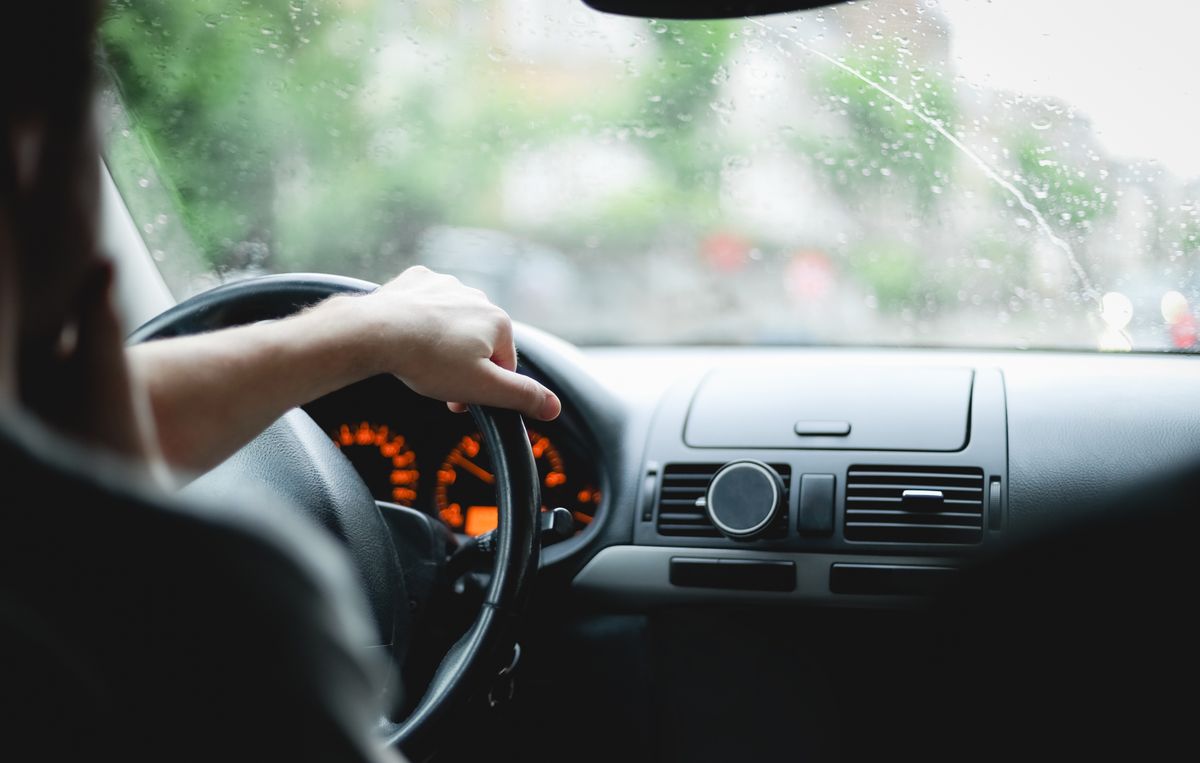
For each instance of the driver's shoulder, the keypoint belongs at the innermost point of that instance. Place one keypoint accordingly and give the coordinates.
(87, 522)
(148, 606)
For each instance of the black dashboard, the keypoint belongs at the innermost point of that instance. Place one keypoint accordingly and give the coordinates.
(894, 467)
(1010, 443)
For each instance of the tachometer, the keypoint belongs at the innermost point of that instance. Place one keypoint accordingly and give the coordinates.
(383, 458)
(466, 495)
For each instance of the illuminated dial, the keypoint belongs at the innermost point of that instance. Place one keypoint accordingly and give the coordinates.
(466, 494)
(384, 460)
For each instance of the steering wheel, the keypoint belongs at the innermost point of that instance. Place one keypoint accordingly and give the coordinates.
(297, 460)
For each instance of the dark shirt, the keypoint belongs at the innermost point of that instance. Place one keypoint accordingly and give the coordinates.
(135, 626)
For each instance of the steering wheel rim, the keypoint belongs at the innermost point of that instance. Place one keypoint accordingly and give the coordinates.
(517, 488)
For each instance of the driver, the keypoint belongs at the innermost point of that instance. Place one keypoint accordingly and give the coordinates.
(132, 624)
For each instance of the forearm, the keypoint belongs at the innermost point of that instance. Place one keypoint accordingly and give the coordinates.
(212, 393)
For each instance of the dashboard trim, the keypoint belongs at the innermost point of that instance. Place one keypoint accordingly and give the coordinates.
(638, 577)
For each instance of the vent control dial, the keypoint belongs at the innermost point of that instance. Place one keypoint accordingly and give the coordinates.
(743, 498)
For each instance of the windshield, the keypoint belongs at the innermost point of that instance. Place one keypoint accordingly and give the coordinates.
(1015, 174)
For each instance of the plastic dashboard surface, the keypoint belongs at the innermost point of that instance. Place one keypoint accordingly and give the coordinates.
(1057, 431)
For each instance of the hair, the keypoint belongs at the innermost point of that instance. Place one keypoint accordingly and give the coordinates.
(48, 161)
(49, 169)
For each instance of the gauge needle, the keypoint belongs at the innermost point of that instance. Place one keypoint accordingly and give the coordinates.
(473, 468)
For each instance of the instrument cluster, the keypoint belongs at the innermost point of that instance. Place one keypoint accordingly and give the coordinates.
(415, 452)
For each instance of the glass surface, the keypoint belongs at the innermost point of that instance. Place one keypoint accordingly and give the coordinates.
(1013, 174)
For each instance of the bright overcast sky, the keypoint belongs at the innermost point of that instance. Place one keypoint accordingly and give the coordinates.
(1132, 68)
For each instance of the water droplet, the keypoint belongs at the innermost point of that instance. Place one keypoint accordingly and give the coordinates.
(722, 107)
(143, 182)
(1040, 124)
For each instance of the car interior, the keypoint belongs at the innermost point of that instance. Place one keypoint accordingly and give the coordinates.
(746, 545)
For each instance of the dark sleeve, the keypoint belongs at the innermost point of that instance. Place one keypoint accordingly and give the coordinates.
(269, 650)
(137, 627)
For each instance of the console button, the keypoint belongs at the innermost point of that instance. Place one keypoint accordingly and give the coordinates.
(816, 504)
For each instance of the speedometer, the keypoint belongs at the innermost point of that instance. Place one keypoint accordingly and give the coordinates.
(466, 494)
(383, 458)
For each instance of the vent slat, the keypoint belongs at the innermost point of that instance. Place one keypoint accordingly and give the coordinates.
(876, 511)
(898, 499)
(914, 486)
(903, 513)
(908, 471)
(904, 525)
(683, 484)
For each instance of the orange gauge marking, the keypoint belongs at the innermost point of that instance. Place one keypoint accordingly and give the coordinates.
(581, 517)
(459, 476)
(398, 458)
(481, 519)
(458, 459)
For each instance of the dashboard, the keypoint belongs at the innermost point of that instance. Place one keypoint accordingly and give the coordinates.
(887, 470)
(897, 468)
(414, 452)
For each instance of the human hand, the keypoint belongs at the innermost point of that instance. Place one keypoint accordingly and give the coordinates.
(446, 341)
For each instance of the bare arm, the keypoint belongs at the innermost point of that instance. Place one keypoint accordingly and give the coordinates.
(213, 393)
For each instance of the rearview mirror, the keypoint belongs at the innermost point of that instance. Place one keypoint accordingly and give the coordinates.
(703, 9)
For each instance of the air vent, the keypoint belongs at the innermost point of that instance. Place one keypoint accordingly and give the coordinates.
(914, 504)
(679, 514)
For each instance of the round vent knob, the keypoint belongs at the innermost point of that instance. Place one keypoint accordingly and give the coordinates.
(743, 498)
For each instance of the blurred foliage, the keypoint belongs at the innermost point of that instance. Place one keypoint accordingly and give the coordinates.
(888, 144)
(228, 95)
(308, 135)
(894, 270)
(1060, 190)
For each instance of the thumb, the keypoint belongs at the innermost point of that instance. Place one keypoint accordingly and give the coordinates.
(507, 389)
